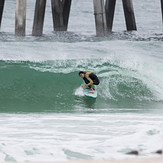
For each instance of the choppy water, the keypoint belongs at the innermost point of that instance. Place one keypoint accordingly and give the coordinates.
(43, 113)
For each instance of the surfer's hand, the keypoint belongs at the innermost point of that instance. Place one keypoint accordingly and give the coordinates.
(83, 86)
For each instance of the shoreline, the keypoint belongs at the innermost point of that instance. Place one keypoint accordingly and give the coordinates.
(129, 160)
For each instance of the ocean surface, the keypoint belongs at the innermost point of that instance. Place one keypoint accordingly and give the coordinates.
(44, 115)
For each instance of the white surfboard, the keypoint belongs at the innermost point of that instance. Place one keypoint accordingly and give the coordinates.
(86, 93)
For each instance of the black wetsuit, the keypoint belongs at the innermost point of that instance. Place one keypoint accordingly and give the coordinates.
(90, 78)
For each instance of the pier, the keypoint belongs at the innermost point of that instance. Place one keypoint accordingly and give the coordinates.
(103, 14)
(1, 9)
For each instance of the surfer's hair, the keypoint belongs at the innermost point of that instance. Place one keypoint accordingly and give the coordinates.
(81, 72)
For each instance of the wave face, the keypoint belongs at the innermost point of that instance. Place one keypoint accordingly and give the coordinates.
(54, 86)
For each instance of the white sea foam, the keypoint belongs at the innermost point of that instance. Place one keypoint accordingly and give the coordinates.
(79, 92)
(54, 137)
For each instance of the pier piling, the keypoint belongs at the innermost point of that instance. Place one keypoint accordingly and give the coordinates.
(60, 12)
(109, 10)
(162, 9)
(100, 18)
(38, 22)
(66, 12)
(103, 13)
(1, 9)
(129, 15)
(20, 17)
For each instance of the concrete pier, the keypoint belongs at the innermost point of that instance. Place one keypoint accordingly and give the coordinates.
(39, 18)
(1, 10)
(103, 13)
(66, 12)
(129, 15)
(60, 12)
(20, 17)
(109, 10)
(100, 18)
(162, 9)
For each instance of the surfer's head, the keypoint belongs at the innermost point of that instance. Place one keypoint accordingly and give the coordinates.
(81, 74)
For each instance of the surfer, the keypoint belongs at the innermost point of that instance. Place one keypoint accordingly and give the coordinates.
(90, 79)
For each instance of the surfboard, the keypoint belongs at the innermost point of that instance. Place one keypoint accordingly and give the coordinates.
(86, 93)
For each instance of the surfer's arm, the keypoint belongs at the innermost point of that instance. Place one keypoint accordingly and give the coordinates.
(90, 81)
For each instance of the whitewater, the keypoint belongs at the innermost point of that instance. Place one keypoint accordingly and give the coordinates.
(44, 115)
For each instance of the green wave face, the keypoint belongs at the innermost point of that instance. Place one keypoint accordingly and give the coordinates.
(54, 86)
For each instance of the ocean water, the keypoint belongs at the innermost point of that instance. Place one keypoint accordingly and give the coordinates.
(44, 115)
